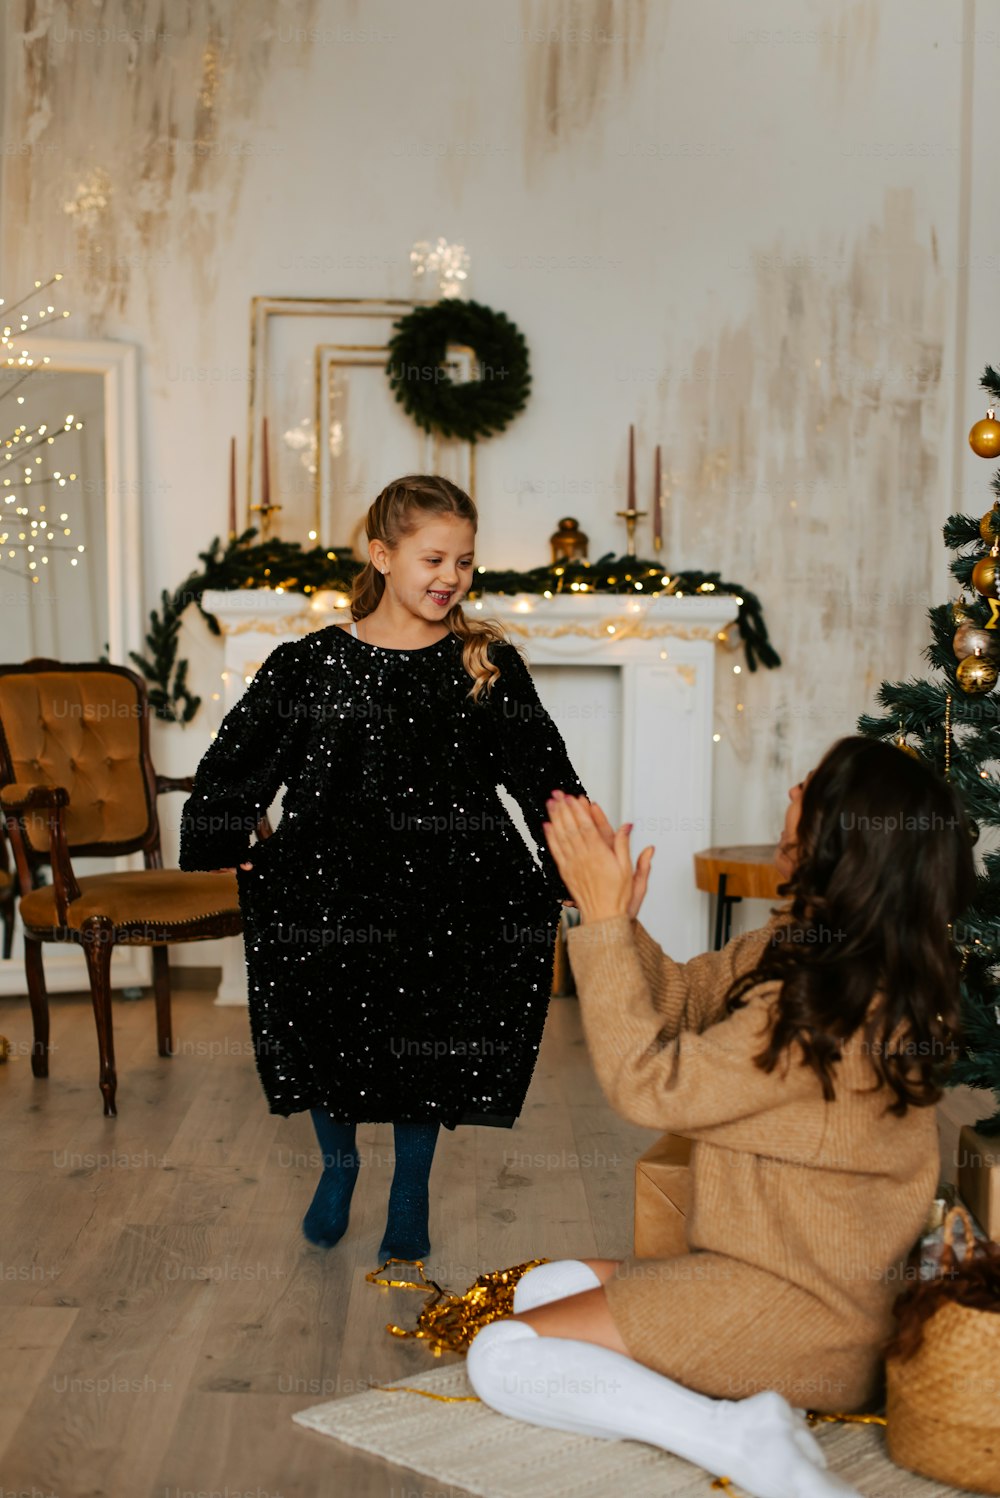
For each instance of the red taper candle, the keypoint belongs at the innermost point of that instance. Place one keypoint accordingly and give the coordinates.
(265, 469)
(631, 468)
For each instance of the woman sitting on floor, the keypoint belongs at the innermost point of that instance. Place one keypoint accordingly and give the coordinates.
(803, 1060)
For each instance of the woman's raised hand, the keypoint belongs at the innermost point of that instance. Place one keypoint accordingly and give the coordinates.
(593, 861)
(643, 864)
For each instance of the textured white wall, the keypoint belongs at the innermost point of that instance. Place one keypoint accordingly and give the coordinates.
(766, 232)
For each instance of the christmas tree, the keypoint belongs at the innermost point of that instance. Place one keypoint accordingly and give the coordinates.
(953, 722)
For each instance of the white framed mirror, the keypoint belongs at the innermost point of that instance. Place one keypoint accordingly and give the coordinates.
(82, 611)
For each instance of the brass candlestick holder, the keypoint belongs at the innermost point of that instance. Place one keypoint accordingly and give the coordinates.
(265, 511)
(630, 517)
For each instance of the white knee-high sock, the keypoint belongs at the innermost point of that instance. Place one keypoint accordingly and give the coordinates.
(553, 1281)
(591, 1391)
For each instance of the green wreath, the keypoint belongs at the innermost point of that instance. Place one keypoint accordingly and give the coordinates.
(422, 385)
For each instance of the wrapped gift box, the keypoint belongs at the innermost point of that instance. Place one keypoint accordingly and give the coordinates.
(662, 1194)
(979, 1179)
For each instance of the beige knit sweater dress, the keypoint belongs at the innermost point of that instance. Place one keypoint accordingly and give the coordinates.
(802, 1211)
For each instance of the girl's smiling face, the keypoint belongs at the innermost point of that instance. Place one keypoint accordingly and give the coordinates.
(431, 569)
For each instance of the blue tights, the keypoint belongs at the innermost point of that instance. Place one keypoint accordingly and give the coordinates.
(406, 1234)
(326, 1221)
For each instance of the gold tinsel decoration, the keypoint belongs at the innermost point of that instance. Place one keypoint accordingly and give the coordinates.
(448, 1323)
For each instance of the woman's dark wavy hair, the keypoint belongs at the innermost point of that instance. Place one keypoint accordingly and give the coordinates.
(883, 867)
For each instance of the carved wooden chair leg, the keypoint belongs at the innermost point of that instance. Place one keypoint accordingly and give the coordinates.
(39, 1000)
(98, 944)
(161, 992)
(9, 912)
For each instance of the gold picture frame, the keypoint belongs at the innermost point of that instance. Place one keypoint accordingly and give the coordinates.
(432, 453)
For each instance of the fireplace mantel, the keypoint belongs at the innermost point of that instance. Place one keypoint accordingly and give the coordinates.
(651, 752)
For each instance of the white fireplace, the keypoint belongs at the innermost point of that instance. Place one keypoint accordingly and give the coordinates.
(628, 681)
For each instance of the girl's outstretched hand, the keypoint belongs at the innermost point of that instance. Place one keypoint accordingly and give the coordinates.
(593, 861)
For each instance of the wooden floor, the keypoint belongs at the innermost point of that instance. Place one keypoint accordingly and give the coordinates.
(161, 1317)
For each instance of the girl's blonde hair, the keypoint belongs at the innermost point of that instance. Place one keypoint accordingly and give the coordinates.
(397, 512)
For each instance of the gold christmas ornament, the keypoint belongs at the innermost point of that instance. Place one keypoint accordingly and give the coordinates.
(989, 526)
(984, 438)
(960, 611)
(984, 576)
(900, 743)
(970, 637)
(976, 675)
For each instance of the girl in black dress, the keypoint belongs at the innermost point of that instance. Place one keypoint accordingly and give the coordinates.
(399, 934)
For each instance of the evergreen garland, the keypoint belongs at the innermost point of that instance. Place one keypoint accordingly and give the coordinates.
(243, 563)
(633, 575)
(238, 564)
(477, 408)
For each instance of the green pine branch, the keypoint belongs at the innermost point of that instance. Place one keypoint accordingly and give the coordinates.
(991, 382)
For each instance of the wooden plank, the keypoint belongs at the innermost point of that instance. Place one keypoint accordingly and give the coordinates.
(30, 1338)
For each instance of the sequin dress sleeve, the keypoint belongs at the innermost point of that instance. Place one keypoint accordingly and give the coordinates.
(241, 771)
(534, 757)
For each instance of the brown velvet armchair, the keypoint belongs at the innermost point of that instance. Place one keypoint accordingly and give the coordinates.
(77, 779)
(7, 892)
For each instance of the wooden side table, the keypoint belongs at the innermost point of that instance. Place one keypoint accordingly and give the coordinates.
(734, 874)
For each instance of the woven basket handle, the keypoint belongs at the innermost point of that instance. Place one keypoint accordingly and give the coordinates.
(955, 1214)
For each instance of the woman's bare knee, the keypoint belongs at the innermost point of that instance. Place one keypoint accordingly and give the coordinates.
(603, 1268)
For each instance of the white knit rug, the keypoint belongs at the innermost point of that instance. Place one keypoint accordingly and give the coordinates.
(470, 1446)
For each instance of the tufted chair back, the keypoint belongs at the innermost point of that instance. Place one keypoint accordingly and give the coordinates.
(86, 728)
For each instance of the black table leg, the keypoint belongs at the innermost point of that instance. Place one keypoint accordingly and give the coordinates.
(720, 909)
(731, 900)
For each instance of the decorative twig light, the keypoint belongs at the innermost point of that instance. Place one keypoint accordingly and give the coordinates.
(25, 536)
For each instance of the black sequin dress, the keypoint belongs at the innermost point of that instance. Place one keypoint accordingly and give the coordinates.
(399, 934)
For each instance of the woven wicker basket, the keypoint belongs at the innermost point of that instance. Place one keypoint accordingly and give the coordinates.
(943, 1404)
